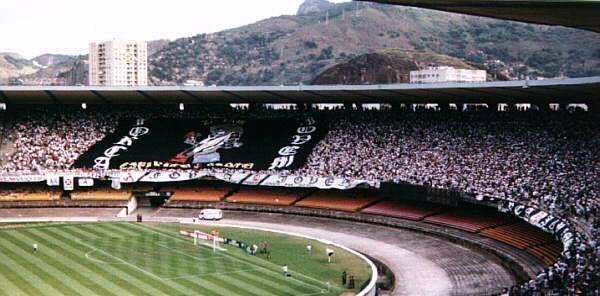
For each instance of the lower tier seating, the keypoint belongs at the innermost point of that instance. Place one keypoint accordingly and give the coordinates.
(263, 196)
(547, 253)
(520, 235)
(200, 193)
(100, 194)
(29, 196)
(351, 201)
(472, 221)
(403, 209)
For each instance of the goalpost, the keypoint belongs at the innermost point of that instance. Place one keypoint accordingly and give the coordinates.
(199, 235)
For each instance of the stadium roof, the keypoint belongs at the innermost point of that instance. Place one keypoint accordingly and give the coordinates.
(574, 90)
(582, 14)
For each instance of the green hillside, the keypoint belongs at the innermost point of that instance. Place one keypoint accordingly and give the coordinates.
(295, 49)
(390, 66)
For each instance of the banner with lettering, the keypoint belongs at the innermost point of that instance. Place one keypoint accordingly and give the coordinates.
(53, 180)
(255, 144)
(27, 178)
(85, 182)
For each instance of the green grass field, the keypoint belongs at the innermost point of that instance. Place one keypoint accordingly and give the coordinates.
(154, 259)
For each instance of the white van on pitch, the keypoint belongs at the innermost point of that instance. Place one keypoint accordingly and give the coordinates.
(210, 214)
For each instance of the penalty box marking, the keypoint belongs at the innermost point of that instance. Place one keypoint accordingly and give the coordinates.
(122, 261)
(160, 277)
(207, 258)
(305, 283)
(201, 259)
(211, 273)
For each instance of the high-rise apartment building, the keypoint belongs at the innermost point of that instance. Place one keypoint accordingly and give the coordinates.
(118, 63)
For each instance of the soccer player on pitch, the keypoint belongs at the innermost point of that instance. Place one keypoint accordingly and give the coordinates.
(329, 253)
(285, 270)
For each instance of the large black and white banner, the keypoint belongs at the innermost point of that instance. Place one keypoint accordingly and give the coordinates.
(541, 219)
(257, 144)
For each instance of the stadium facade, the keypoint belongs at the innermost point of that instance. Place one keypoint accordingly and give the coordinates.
(539, 92)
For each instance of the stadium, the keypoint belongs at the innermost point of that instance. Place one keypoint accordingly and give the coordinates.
(488, 188)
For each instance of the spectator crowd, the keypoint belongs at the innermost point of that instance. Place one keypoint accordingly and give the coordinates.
(549, 160)
(45, 141)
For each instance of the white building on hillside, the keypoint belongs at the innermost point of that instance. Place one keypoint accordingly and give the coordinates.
(118, 63)
(447, 74)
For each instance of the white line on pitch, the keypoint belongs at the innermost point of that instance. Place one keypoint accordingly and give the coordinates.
(188, 255)
(210, 273)
(87, 255)
(248, 262)
(122, 261)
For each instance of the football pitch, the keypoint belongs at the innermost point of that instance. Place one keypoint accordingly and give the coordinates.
(154, 259)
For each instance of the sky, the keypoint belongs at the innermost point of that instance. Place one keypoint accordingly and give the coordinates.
(34, 27)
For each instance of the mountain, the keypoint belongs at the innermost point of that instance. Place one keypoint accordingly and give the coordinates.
(58, 70)
(156, 45)
(296, 49)
(389, 66)
(46, 60)
(314, 6)
(12, 65)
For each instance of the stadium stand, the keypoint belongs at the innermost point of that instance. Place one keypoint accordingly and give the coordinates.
(43, 139)
(100, 194)
(196, 193)
(547, 253)
(29, 196)
(546, 160)
(403, 209)
(468, 221)
(136, 187)
(520, 235)
(32, 193)
(496, 149)
(349, 201)
(264, 196)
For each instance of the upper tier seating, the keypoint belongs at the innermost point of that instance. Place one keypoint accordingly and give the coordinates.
(264, 196)
(468, 221)
(403, 209)
(351, 201)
